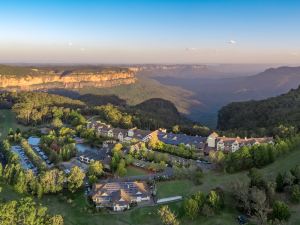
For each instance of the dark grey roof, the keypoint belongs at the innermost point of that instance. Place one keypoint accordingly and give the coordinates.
(176, 139)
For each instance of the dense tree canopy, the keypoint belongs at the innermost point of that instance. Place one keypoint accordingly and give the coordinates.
(75, 179)
(26, 211)
(259, 155)
(59, 145)
(34, 108)
(277, 115)
(167, 216)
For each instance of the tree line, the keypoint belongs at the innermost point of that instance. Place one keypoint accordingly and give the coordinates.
(256, 155)
(34, 108)
(264, 117)
(48, 181)
(26, 211)
(199, 204)
(257, 199)
(128, 117)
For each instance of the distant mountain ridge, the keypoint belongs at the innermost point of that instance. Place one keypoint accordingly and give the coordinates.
(215, 93)
(198, 91)
(37, 78)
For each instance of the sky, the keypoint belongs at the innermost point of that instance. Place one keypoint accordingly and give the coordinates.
(150, 31)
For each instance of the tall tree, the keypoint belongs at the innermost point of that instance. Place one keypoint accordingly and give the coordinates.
(167, 216)
(191, 208)
(95, 168)
(75, 179)
(281, 211)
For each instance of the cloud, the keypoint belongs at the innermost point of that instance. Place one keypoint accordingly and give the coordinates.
(294, 54)
(232, 42)
(191, 49)
(70, 43)
(82, 49)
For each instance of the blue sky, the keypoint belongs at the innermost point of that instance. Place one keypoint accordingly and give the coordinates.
(203, 31)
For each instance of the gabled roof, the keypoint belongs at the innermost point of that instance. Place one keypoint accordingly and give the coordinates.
(119, 192)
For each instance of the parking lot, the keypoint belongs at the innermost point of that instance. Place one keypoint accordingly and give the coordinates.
(40, 152)
(25, 162)
(34, 143)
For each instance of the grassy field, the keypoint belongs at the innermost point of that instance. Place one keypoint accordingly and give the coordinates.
(175, 187)
(7, 120)
(134, 171)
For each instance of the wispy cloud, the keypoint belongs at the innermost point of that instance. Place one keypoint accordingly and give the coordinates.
(232, 42)
(191, 49)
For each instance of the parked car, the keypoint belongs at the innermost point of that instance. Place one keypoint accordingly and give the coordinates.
(242, 219)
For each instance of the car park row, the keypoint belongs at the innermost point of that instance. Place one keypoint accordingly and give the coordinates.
(25, 162)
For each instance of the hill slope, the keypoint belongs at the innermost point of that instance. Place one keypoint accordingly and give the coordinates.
(215, 93)
(268, 113)
(161, 110)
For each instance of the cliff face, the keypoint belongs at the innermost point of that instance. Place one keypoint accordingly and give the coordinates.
(51, 79)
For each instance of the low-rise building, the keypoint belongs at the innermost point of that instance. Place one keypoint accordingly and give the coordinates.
(197, 142)
(229, 144)
(122, 135)
(119, 196)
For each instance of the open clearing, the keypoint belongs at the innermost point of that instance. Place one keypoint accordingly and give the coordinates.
(7, 120)
(135, 171)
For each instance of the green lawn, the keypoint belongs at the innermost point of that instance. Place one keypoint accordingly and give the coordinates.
(176, 187)
(7, 120)
(134, 171)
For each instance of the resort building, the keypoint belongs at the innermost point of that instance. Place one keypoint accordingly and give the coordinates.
(119, 196)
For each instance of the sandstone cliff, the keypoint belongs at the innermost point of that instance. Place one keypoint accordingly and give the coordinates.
(45, 79)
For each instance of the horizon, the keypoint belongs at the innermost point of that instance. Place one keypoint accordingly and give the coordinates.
(150, 32)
